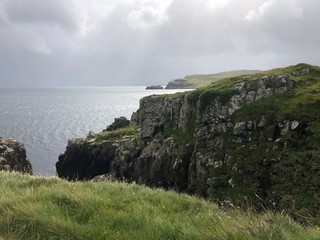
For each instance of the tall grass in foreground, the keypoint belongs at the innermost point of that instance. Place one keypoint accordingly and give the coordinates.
(50, 208)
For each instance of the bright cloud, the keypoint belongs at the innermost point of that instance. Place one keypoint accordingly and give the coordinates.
(149, 13)
(283, 9)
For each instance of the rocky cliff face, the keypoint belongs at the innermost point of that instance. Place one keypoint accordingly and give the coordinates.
(214, 143)
(13, 156)
(179, 84)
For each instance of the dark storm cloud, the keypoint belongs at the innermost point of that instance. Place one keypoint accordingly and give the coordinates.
(126, 42)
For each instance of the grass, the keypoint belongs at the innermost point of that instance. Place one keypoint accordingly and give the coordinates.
(50, 208)
(128, 131)
(304, 98)
(182, 137)
(203, 80)
(290, 184)
(301, 104)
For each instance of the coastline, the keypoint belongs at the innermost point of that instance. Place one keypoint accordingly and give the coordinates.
(45, 118)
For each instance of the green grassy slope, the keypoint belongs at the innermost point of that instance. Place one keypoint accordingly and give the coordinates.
(301, 103)
(202, 80)
(49, 208)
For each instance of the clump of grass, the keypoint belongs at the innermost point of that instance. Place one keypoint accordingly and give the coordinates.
(180, 136)
(50, 208)
(128, 131)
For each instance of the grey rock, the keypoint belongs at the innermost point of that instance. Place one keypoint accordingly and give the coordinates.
(240, 129)
(217, 164)
(118, 123)
(284, 126)
(135, 118)
(262, 122)
(236, 102)
(156, 112)
(242, 86)
(304, 71)
(250, 125)
(187, 111)
(250, 97)
(231, 183)
(91, 135)
(13, 156)
(294, 124)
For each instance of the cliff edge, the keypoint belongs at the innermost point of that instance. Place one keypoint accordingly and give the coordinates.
(202, 80)
(251, 138)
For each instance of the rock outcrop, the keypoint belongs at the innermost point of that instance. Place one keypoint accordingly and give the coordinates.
(118, 123)
(13, 156)
(201, 142)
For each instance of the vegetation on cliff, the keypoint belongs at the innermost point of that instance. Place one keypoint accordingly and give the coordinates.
(301, 103)
(245, 139)
(50, 208)
(127, 131)
(278, 162)
(202, 80)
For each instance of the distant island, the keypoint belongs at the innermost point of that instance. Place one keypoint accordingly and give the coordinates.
(154, 87)
(201, 80)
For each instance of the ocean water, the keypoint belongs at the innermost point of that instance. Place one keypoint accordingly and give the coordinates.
(44, 119)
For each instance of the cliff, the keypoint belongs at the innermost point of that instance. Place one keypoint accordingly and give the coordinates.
(202, 80)
(249, 138)
(13, 157)
(180, 84)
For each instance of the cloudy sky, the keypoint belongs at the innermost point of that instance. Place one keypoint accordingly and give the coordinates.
(54, 43)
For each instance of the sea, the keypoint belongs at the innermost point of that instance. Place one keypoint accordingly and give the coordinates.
(43, 119)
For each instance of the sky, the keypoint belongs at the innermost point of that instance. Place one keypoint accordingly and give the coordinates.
(65, 43)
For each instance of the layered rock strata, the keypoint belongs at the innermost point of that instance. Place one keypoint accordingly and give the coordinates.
(195, 142)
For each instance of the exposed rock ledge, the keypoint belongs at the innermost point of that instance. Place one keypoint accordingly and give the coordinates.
(13, 156)
(193, 143)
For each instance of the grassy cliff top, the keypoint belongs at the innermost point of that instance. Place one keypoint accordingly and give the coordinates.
(300, 103)
(50, 208)
(228, 82)
(203, 80)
